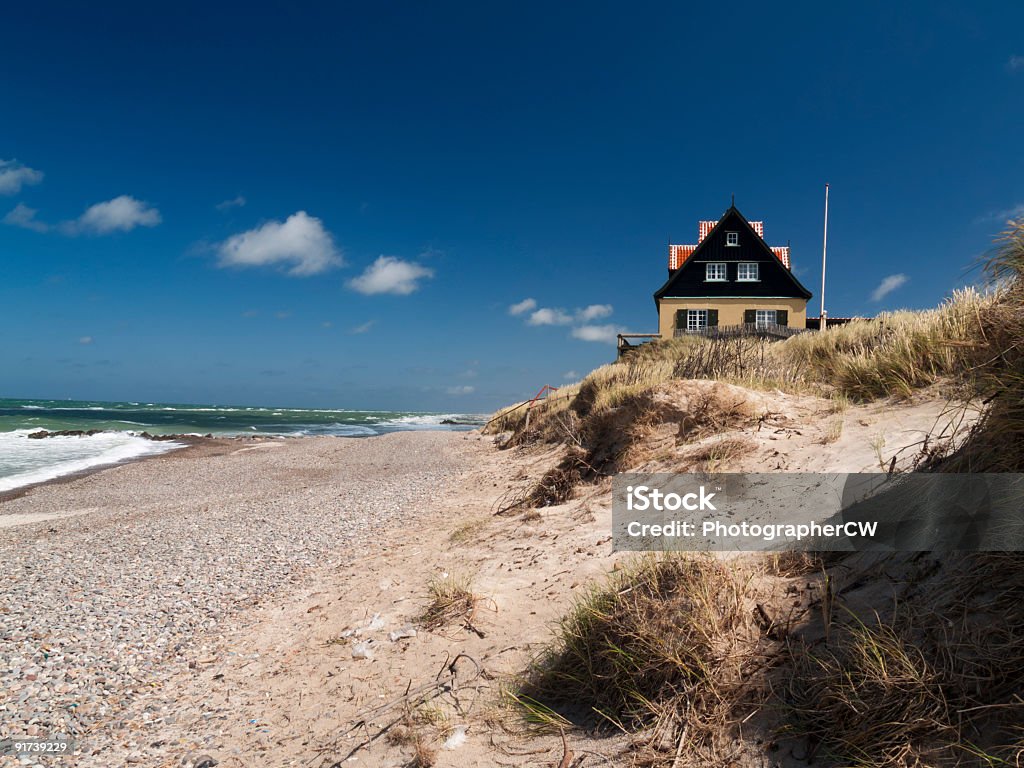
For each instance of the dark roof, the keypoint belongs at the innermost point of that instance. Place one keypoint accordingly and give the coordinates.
(776, 280)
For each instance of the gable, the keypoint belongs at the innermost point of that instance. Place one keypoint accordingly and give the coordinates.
(775, 280)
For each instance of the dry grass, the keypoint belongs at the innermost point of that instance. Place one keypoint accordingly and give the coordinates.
(892, 355)
(423, 755)
(798, 563)
(668, 644)
(717, 455)
(995, 444)
(608, 439)
(833, 431)
(451, 599)
(409, 734)
(868, 698)
(469, 531)
(937, 681)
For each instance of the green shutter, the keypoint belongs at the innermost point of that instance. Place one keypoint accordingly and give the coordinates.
(750, 316)
(680, 318)
(712, 318)
(781, 317)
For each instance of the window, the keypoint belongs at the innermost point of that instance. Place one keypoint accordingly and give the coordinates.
(714, 272)
(747, 272)
(696, 320)
(765, 317)
(732, 238)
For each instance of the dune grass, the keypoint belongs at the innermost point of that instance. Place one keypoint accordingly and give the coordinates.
(666, 645)
(934, 681)
(892, 355)
(930, 676)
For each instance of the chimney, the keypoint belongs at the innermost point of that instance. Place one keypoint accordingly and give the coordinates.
(782, 251)
(677, 254)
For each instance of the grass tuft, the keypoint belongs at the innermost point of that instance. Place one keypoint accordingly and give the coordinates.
(937, 681)
(668, 642)
(451, 599)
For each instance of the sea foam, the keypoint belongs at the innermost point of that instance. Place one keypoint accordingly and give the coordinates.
(25, 461)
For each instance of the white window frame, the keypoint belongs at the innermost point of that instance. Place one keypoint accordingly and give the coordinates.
(719, 268)
(744, 267)
(696, 320)
(732, 239)
(765, 317)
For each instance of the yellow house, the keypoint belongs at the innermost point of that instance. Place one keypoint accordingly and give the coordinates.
(731, 279)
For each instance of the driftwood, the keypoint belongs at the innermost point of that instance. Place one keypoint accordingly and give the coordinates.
(445, 682)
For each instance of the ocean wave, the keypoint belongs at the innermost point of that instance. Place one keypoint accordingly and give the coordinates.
(25, 462)
(333, 430)
(431, 421)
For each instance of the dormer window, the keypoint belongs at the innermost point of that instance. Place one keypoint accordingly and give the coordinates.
(714, 272)
(732, 238)
(747, 272)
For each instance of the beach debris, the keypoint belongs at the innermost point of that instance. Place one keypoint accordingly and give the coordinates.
(457, 737)
(402, 632)
(199, 761)
(362, 651)
(373, 625)
(447, 681)
(567, 754)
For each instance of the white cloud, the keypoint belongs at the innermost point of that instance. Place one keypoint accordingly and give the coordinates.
(570, 375)
(122, 214)
(526, 305)
(1016, 213)
(887, 286)
(14, 176)
(581, 319)
(593, 312)
(602, 333)
(85, 340)
(235, 202)
(390, 275)
(1015, 63)
(363, 328)
(23, 216)
(465, 389)
(300, 243)
(546, 316)
(558, 316)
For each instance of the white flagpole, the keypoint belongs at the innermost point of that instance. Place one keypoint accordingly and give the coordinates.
(824, 251)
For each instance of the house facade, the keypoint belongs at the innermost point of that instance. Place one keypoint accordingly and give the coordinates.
(730, 278)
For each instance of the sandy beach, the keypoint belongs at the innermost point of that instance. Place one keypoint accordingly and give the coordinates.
(251, 601)
(116, 581)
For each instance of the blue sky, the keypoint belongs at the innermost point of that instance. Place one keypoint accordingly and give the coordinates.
(328, 205)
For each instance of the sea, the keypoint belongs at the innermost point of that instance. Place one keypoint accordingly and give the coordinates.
(25, 461)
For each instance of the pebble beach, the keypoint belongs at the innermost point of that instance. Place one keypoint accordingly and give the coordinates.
(117, 581)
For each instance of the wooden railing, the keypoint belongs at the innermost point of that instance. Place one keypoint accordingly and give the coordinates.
(624, 345)
(772, 330)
